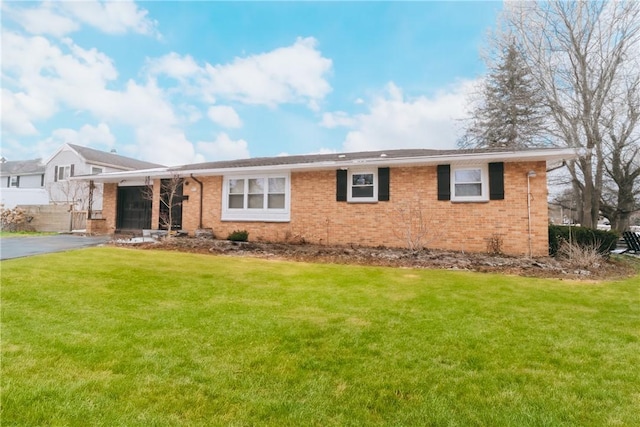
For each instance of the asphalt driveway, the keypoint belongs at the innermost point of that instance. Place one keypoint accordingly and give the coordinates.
(17, 247)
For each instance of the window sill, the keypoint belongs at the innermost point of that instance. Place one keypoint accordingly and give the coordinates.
(356, 201)
(255, 217)
(470, 201)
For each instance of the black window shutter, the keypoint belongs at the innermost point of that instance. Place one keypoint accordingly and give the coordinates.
(496, 181)
(444, 182)
(8, 181)
(71, 172)
(383, 184)
(18, 181)
(55, 175)
(341, 185)
(42, 180)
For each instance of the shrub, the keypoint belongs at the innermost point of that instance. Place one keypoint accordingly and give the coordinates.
(239, 236)
(494, 244)
(586, 257)
(584, 237)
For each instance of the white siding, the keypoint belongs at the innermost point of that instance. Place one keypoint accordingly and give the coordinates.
(64, 192)
(26, 181)
(31, 181)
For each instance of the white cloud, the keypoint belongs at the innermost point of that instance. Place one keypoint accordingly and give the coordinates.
(224, 116)
(175, 66)
(48, 77)
(396, 121)
(99, 137)
(113, 17)
(189, 113)
(224, 148)
(19, 111)
(136, 105)
(291, 74)
(95, 136)
(64, 76)
(336, 119)
(166, 145)
(64, 17)
(53, 77)
(43, 20)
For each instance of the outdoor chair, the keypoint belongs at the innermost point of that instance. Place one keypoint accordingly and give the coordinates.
(633, 242)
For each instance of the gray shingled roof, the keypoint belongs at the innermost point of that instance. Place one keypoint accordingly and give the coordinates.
(22, 167)
(333, 157)
(96, 156)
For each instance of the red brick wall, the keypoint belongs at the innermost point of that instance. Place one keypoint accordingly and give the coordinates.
(318, 218)
(97, 227)
(109, 197)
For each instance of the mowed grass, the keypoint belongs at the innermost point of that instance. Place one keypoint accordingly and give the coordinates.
(111, 336)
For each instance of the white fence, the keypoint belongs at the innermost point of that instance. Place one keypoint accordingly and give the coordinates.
(11, 197)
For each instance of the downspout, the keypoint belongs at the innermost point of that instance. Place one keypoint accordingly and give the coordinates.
(201, 195)
(530, 175)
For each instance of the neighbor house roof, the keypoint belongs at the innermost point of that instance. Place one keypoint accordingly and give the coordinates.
(98, 157)
(22, 167)
(406, 157)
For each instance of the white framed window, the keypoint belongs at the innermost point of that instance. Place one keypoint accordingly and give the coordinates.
(64, 172)
(15, 181)
(256, 198)
(362, 186)
(96, 170)
(469, 183)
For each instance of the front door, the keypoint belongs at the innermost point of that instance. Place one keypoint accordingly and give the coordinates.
(134, 208)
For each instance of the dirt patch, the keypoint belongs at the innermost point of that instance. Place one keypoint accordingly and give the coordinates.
(395, 257)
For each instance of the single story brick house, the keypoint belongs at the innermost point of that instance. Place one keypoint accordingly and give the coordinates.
(448, 199)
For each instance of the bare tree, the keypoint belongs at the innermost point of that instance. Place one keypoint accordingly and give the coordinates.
(583, 55)
(170, 198)
(72, 193)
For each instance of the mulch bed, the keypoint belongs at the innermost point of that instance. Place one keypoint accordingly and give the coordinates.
(395, 257)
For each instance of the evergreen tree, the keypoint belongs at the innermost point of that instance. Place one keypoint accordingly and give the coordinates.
(509, 113)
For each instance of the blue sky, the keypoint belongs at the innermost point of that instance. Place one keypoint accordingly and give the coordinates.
(184, 82)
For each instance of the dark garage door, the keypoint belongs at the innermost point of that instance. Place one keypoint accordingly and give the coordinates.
(134, 210)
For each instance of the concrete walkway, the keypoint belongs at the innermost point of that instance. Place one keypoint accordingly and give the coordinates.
(17, 247)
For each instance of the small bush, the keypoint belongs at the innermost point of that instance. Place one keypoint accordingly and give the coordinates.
(604, 241)
(239, 236)
(581, 256)
(494, 244)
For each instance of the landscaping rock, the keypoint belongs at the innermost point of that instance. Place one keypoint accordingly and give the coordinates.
(397, 257)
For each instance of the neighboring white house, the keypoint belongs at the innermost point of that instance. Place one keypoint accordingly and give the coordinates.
(22, 174)
(22, 183)
(75, 160)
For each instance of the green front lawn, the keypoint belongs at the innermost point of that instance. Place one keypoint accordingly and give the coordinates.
(111, 336)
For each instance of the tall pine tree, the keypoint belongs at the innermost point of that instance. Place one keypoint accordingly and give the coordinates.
(509, 113)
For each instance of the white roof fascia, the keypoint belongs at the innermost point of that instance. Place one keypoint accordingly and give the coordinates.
(547, 155)
(124, 175)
